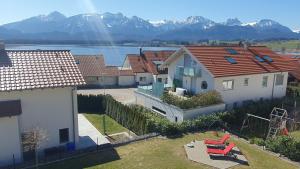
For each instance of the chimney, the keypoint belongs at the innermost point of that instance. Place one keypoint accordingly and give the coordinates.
(141, 51)
(2, 45)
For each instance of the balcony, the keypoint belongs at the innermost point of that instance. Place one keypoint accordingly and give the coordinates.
(156, 90)
(193, 72)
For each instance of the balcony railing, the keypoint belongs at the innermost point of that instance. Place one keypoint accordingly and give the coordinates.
(193, 72)
(156, 90)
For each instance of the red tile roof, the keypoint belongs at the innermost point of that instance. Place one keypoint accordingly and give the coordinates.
(94, 65)
(295, 61)
(90, 65)
(33, 69)
(144, 63)
(212, 57)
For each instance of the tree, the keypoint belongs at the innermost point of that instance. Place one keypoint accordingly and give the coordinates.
(33, 139)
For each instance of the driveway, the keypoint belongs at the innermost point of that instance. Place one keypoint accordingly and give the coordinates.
(89, 136)
(124, 95)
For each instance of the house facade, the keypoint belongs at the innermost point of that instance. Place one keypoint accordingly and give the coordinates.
(237, 73)
(146, 66)
(96, 73)
(37, 90)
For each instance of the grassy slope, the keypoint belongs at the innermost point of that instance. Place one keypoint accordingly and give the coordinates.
(296, 135)
(111, 125)
(165, 153)
(278, 45)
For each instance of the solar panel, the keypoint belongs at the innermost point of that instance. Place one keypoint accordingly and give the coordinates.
(259, 59)
(230, 60)
(232, 51)
(267, 58)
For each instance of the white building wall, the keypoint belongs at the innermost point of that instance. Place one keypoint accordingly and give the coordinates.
(10, 143)
(49, 109)
(126, 80)
(164, 78)
(253, 91)
(149, 78)
(108, 81)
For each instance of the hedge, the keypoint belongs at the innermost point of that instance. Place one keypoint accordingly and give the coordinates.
(203, 99)
(91, 103)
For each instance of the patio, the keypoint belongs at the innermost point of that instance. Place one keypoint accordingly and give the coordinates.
(198, 153)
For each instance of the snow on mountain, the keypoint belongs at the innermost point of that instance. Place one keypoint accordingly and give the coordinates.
(95, 26)
(296, 31)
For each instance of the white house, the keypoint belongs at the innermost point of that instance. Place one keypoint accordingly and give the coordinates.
(37, 89)
(146, 66)
(237, 73)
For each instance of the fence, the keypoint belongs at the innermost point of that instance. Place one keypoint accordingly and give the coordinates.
(65, 155)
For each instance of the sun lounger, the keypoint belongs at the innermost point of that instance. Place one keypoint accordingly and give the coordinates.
(218, 142)
(225, 152)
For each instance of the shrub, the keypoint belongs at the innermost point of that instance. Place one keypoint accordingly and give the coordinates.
(203, 99)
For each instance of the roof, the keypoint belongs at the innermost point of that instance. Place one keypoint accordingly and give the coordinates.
(10, 108)
(295, 61)
(33, 69)
(147, 62)
(214, 59)
(94, 65)
(90, 65)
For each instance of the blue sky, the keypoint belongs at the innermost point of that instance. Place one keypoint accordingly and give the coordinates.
(284, 11)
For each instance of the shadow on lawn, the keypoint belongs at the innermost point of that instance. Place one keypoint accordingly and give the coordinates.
(90, 160)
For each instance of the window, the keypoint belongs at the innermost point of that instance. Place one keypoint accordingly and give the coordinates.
(228, 84)
(204, 85)
(230, 60)
(268, 58)
(64, 135)
(176, 118)
(246, 81)
(159, 79)
(142, 79)
(279, 79)
(265, 81)
(158, 110)
(259, 59)
(232, 51)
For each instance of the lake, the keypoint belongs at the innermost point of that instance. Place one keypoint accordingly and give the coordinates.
(114, 55)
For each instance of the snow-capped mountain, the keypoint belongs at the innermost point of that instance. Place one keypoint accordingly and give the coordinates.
(109, 26)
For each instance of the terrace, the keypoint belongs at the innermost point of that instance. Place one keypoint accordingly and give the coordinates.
(179, 105)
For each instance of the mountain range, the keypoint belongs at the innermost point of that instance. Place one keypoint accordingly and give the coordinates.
(117, 27)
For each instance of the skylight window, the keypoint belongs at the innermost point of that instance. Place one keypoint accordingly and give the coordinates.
(268, 58)
(232, 51)
(259, 59)
(230, 60)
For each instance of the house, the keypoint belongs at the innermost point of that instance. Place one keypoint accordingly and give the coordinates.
(237, 73)
(146, 66)
(294, 74)
(37, 90)
(96, 73)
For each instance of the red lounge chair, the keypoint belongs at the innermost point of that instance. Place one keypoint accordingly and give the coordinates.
(225, 152)
(218, 142)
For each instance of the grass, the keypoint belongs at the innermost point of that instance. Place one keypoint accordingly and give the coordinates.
(296, 135)
(160, 153)
(111, 125)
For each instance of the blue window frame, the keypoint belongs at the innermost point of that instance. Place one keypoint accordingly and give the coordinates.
(230, 60)
(268, 58)
(259, 59)
(232, 51)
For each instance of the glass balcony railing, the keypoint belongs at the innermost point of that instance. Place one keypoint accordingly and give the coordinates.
(193, 72)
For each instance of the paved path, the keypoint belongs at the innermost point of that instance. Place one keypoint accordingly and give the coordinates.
(88, 134)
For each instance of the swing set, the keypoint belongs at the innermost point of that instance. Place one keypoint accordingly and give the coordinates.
(276, 123)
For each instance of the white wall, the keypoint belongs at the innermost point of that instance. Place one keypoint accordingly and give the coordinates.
(10, 143)
(126, 80)
(50, 109)
(253, 91)
(149, 78)
(172, 111)
(164, 78)
(108, 81)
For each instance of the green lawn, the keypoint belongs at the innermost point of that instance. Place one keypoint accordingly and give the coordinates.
(111, 125)
(296, 135)
(160, 153)
(288, 45)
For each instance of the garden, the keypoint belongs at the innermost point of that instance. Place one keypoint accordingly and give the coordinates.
(142, 121)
